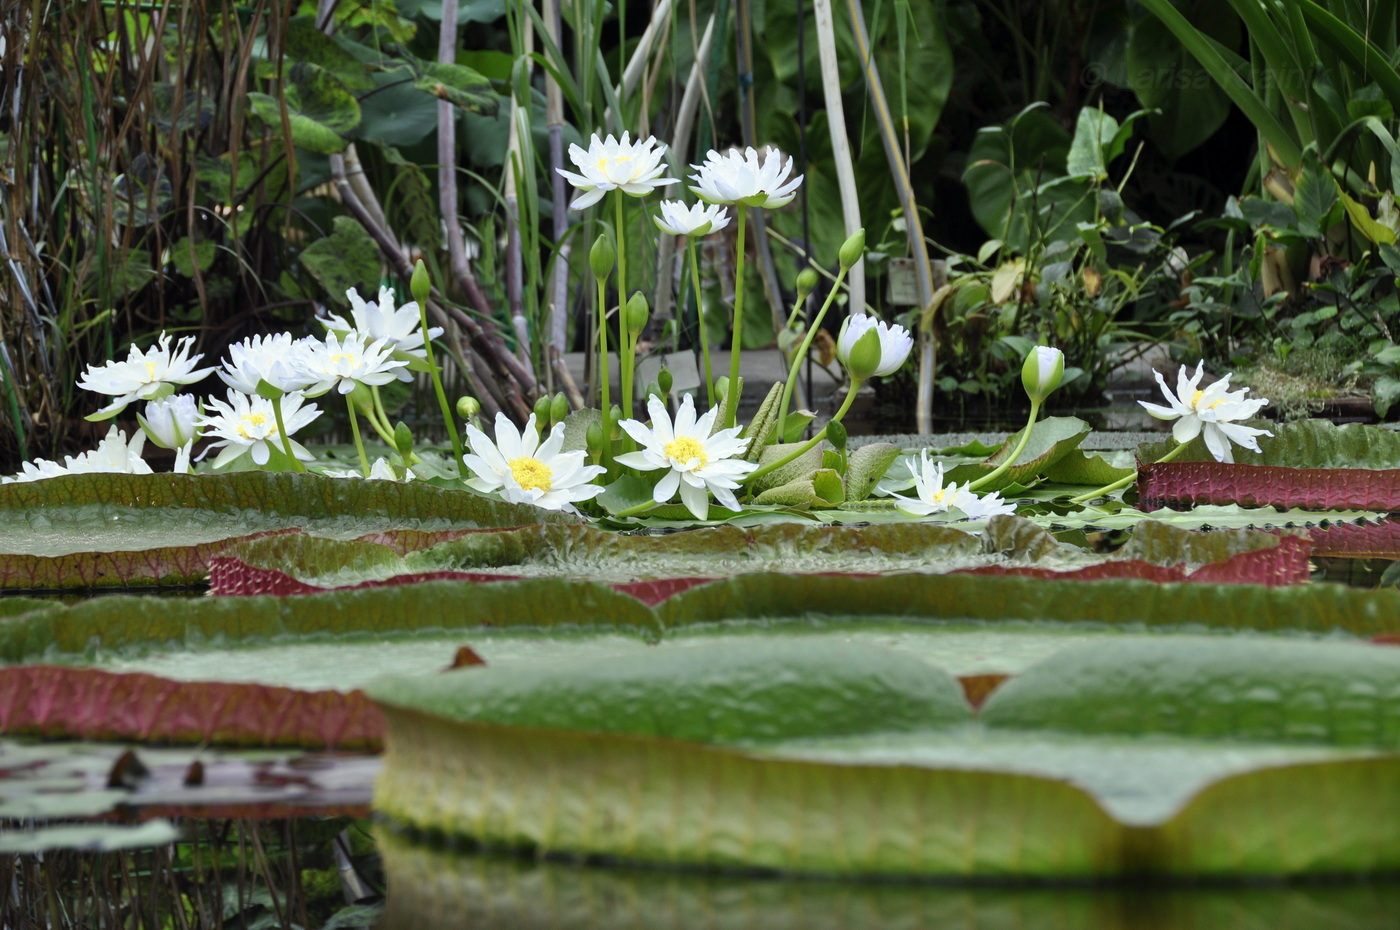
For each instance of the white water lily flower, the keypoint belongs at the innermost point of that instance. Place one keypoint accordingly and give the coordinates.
(1211, 411)
(698, 464)
(934, 497)
(145, 375)
(400, 327)
(895, 343)
(114, 455)
(743, 179)
(171, 422)
(263, 358)
(342, 363)
(522, 470)
(632, 167)
(381, 470)
(247, 425)
(699, 219)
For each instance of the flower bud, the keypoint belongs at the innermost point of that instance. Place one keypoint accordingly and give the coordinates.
(722, 386)
(593, 437)
(363, 400)
(559, 408)
(638, 312)
(403, 439)
(420, 284)
(172, 421)
(542, 407)
(654, 390)
(601, 257)
(664, 380)
(468, 407)
(836, 435)
(614, 418)
(1042, 371)
(864, 357)
(806, 282)
(852, 249)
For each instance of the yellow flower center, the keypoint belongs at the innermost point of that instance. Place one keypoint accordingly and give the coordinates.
(684, 448)
(939, 495)
(531, 474)
(343, 357)
(603, 164)
(255, 420)
(1197, 399)
(150, 371)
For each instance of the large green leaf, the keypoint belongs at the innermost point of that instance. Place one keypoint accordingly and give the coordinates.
(1166, 77)
(1304, 444)
(347, 258)
(322, 111)
(759, 689)
(1051, 439)
(86, 513)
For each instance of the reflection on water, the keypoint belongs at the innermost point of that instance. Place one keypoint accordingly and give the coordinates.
(432, 888)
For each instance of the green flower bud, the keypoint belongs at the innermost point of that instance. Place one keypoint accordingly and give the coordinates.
(593, 437)
(806, 282)
(601, 257)
(664, 380)
(852, 249)
(722, 386)
(865, 356)
(1041, 374)
(468, 407)
(836, 435)
(362, 399)
(420, 284)
(542, 407)
(638, 312)
(559, 408)
(614, 418)
(654, 390)
(403, 439)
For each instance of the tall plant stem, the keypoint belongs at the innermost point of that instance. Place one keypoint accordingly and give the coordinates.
(355, 430)
(731, 399)
(1015, 453)
(604, 373)
(700, 318)
(627, 352)
(810, 444)
(802, 350)
(436, 374)
(1122, 483)
(381, 423)
(286, 440)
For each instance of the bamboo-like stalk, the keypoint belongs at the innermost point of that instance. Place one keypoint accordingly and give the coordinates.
(840, 142)
(680, 143)
(913, 224)
(515, 261)
(559, 279)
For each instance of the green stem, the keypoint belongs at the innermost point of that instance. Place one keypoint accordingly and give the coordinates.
(634, 511)
(1016, 453)
(810, 444)
(436, 374)
(628, 350)
(355, 429)
(1122, 483)
(286, 440)
(700, 320)
(731, 399)
(604, 372)
(803, 349)
(380, 421)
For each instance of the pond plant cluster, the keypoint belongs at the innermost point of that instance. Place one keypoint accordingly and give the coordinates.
(633, 661)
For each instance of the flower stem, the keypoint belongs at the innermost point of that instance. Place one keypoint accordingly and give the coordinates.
(355, 429)
(731, 400)
(436, 374)
(628, 350)
(604, 372)
(810, 444)
(286, 440)
(1015, 454)
(380, 422)
(634, 511)
(803, 349)
(1122, 483)
(700, 319)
